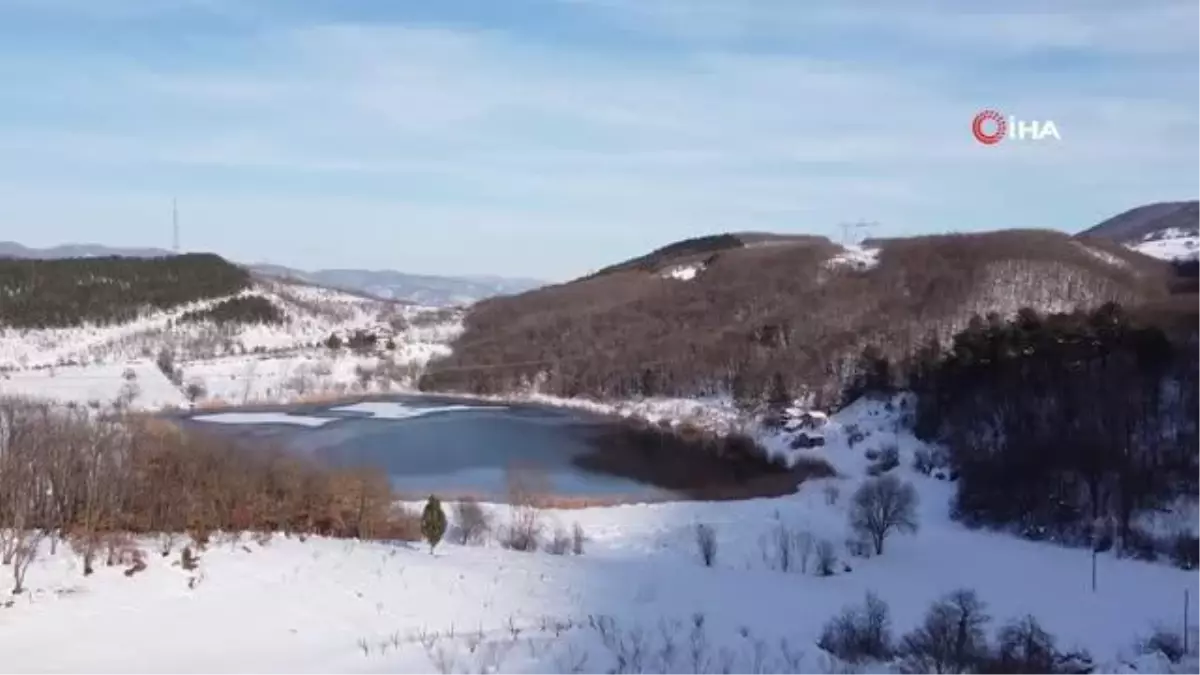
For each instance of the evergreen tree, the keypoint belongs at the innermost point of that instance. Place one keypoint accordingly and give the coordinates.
(433, 522)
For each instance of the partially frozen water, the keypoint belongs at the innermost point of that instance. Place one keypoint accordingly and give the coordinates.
(430, 445)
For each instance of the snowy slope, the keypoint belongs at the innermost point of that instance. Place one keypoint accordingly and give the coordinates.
(231, 364)
(1173, 244)
(330, 606)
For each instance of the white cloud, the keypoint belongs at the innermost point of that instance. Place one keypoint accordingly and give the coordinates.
(1113, 26)
(465, 128)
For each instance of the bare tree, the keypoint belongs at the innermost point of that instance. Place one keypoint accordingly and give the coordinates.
(706, 543)
(883, 505)
(471, 522)
(25, 554)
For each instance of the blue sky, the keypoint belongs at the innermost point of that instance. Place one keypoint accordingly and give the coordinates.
(548, 138)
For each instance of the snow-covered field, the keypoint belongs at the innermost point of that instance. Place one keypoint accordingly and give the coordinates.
(630, 602)
(1171, 244)
(97, 365)
(335, 606)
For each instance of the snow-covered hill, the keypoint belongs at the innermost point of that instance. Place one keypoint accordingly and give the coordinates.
(232, 363)
(637, 600)
(1163, 230)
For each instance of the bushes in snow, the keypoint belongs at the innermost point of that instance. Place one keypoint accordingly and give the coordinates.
(952, 638)
(471, 522)
(523, 531)
(1166, 642)
(699, 463)
(826, 558)
(881, 506)
(141, 475)
(860, 634)
(786, 549)
(559, 543)
(883, 460)
(706, 543)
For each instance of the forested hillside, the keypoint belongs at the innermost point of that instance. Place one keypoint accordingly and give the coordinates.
(74, 291)
(795, 314)
(1068, 426)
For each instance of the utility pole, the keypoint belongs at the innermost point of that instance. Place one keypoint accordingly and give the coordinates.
(175, 226)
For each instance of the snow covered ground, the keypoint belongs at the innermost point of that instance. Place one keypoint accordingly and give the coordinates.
(1171, 244)
(334, 606)
(97, 365)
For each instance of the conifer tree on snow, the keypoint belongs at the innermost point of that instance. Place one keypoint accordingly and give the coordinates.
(433, 522)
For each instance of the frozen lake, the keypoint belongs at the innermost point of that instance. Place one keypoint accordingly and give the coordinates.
(426, 444)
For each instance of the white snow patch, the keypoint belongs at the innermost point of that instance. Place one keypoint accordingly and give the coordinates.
(856, 257)
(1103, 256)
(97, 386)
(1171, 248)
(392, 410)
(684, 272)
(232, 365)
(263, 418)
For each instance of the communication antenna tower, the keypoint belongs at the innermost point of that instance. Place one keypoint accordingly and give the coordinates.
(175, 225)
(857, 232)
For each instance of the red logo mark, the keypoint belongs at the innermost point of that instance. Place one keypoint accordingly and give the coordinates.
(999, 127)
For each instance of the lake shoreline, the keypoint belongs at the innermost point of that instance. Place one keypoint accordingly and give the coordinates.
(579, 430)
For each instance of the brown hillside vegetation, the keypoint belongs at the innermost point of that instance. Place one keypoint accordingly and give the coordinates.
(770, 309)
(70, 473)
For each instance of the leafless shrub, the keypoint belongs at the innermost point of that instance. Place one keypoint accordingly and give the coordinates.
(524, 529)
(188, 560)
(138, 564)
(826, 558)
(859, 634)
(560, 543)
(832, 493)
(1024, 647)
(471, 522)
(951, 639)
(24, 555)
(1166, 641)
(706, 543)
(578, 538)
(166, 543)
(923, 461)
(888, 458)
(785, 549)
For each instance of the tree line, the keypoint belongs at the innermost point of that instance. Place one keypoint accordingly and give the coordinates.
(75, 291)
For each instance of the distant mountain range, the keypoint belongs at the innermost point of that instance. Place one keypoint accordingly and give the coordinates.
(419, 288)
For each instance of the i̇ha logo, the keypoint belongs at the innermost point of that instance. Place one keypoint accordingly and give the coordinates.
(990, 127)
